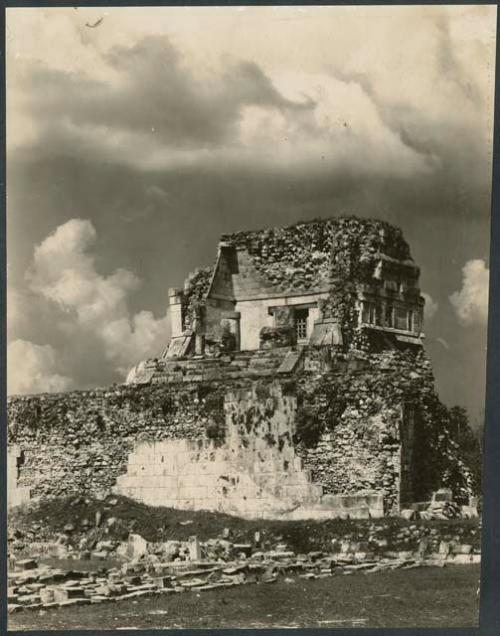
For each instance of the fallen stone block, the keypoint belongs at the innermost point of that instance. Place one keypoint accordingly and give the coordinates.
(129, 595)
(195, 573)
(281, 554)
(62, 594)
(133, 580)
(29, 599)
(110, 590)
(354, 567)
(163, 582)
(244, 548)
(47, 595)
(55, 576)
(191, 583)
(236, 569)
(27, 564)
(144, 586)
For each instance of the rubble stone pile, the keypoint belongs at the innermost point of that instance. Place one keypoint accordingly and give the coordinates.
(182, 566)
(195, 288)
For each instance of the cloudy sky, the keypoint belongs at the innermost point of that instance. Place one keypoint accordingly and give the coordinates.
(132, 145)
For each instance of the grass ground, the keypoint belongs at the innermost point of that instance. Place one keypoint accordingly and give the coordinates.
(424, 597)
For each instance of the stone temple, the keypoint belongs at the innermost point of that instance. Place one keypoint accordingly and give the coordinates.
(295, 385)
(274, 287)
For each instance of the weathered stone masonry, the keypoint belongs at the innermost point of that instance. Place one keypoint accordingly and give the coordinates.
(295, 384)
(81, 441)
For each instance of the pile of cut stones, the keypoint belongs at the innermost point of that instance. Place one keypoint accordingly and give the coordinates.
(176, 567)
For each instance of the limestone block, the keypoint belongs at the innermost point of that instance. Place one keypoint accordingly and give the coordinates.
(62, 594)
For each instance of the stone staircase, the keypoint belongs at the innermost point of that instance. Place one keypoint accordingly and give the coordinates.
(196, 475)
(243, 364)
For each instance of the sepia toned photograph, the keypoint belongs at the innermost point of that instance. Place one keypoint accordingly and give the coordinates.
(248, 262)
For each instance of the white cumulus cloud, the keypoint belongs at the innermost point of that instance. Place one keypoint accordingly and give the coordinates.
(93, 309)
(33, 368)
(471, 302)
(129, 340)
(64, 271)
(431, 306)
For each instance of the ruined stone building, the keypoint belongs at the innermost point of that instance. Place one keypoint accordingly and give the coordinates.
(295, 385)
(275, 285)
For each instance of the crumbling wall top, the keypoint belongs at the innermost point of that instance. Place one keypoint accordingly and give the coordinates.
(316, 250)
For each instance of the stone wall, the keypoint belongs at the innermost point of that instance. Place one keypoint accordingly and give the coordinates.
(375, 422)
(217, 448)
(362, 425)
(80, 441)
(16, 494)
(254, 472)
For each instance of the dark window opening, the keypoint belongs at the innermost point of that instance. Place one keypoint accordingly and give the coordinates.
(301, 316)
(410, 320)
(389, 316)
(365, 312)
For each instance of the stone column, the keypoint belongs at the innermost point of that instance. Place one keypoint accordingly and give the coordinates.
(175, 306)
(198, 328)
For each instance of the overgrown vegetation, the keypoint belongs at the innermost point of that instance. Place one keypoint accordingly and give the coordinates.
(50, 517)
(445, 451)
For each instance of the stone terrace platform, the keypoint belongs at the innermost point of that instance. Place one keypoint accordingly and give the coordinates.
(242, 364)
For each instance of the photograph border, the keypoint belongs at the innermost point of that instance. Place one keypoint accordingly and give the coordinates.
(489, 615)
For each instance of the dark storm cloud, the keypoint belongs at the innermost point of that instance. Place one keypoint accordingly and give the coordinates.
(410, 165)
(156, 94)
(459, 153)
